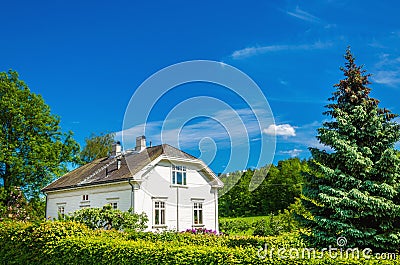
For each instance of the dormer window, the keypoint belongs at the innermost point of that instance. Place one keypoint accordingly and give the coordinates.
(178, 175)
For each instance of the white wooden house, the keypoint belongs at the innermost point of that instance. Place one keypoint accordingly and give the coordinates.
(177, 191)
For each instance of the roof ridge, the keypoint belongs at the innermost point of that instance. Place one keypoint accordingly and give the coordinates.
(178, 150)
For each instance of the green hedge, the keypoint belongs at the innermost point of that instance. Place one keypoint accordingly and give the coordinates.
(72, 243)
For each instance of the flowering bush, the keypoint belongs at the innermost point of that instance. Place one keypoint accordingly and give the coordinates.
(202, 231)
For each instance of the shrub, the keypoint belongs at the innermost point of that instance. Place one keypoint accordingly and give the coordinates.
(73, 243)
(275, 224)
(234, 226)
(108, 218)
(261, 225)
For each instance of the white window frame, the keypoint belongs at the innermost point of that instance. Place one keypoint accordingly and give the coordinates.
(198, 216)
(114, 205)
(61, 210)
(159, 213)
(176, 170)
(114, 202)
(85, 197)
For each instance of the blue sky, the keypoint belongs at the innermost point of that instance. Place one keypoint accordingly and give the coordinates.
(87, 58)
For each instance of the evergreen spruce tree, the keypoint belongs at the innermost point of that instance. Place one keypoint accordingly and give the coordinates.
(352, 189)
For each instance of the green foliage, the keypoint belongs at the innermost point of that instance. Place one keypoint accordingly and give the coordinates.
(353, 189)
(269, 225)
(97, 146)
(281, 185)
(33, 150)
(25, 242)
(73, 243)
(108, 218)
(237, 226)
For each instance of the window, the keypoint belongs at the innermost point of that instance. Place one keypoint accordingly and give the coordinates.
(85, 197)
(114, 205)
(61, 211)
(159, 213)
(178, 175)
(197, 213)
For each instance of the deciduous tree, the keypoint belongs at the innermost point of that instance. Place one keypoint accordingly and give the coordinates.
(33, 149)
(97, 146)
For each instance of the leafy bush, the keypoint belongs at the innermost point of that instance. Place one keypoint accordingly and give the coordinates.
(234, 226)
(73, 243)
(275, 224)
(26, 240)
(108, 218)
(262, 225)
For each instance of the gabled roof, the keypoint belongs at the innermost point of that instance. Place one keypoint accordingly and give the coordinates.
(104, 170)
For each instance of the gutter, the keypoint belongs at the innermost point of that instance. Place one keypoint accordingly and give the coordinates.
(132, 197)
(45, 207)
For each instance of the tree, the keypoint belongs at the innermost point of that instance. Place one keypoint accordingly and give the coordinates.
(237, 200)
(97, 146)
(33, 150)
(280, 186)
(353, 186)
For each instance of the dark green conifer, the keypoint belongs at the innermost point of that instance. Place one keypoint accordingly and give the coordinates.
(352, 189)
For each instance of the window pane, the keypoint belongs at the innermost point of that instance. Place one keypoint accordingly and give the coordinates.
(173, 177)
(196, 217)
(184, 178)
(162, 217)
(200, 216)
(156, 217)
(179, 178)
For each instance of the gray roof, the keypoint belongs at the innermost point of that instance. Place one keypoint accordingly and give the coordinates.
(104, 170)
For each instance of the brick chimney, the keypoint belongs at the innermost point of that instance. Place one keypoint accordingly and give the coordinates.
(116, 149)
(140, 143)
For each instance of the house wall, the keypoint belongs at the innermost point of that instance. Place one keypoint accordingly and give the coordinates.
(98, 196)
(179, 199)
(156, 185)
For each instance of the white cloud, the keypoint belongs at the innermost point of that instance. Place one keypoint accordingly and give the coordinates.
(390, 78)
(387, 70)
(222, 127)
(303, 15)
(282, 130)
(252, 51)
(306, 136)
(293, 153)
